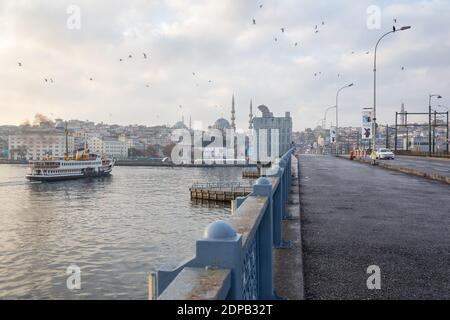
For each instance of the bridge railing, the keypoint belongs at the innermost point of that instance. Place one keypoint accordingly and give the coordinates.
(234, 258)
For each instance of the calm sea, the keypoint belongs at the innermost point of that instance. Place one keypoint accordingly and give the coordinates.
(116, 229)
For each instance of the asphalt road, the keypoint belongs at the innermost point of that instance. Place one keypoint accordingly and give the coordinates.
(441, 167)
(355, 216)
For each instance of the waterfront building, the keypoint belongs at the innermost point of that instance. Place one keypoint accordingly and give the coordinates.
(39, 144)
(108, 146)
(271, 123)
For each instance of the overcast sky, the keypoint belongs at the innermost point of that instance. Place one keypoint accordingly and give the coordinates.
(217, 40)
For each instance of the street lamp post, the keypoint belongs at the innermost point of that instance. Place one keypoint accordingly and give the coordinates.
(374, 122)
(337, 118)
(430, 96)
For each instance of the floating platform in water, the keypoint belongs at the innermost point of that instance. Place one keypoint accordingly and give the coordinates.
(220, 191)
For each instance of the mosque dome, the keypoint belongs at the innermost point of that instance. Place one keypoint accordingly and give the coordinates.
(179, 125)
(221, 124)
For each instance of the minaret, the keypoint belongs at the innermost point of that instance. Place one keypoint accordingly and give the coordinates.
(250, 121)
(233, 111)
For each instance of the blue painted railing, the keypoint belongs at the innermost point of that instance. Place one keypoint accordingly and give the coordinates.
(234, 258)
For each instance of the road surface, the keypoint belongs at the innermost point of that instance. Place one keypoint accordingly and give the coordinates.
(440, 167)
(355, 216)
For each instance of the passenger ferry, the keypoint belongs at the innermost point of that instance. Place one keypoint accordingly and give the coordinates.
(82, 165)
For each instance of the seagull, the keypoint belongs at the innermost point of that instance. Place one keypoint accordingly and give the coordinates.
(296, 44)
(276, 39)
(145, 56)
(260, 5)
(254, 21)
(130, 56)
(323, 23)
(90, 79)
(403, 68)
(315, 74)
(282, 29)
(120, 59)
(20, 64)
(317, 31)
(46, 80)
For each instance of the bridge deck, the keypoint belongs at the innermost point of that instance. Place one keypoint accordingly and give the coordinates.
(355, 216)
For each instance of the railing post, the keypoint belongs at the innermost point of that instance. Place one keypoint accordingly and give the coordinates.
(283, 168)
(221, 247)
(277, 207)
(263, 187)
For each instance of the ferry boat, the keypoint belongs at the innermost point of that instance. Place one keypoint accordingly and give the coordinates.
(82, 165)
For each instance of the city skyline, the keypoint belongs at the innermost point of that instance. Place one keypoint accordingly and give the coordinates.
(293, 57)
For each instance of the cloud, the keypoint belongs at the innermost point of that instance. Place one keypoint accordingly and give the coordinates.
(218, 41)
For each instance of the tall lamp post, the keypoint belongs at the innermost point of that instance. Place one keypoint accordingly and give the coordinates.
(374, 122)
(447, 136)
(337, 118)
(437, 96)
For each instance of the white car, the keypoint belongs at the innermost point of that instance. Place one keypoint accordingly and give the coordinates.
(384, 153)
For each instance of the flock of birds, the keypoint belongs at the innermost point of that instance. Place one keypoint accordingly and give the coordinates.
(194, 74)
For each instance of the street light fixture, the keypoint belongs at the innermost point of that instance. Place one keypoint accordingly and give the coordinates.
(374, 122)
(430, 96)
(337, 118)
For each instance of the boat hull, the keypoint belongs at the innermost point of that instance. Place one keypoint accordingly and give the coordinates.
(61, 178)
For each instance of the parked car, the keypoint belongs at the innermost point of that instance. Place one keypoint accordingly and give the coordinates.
(384, 153)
